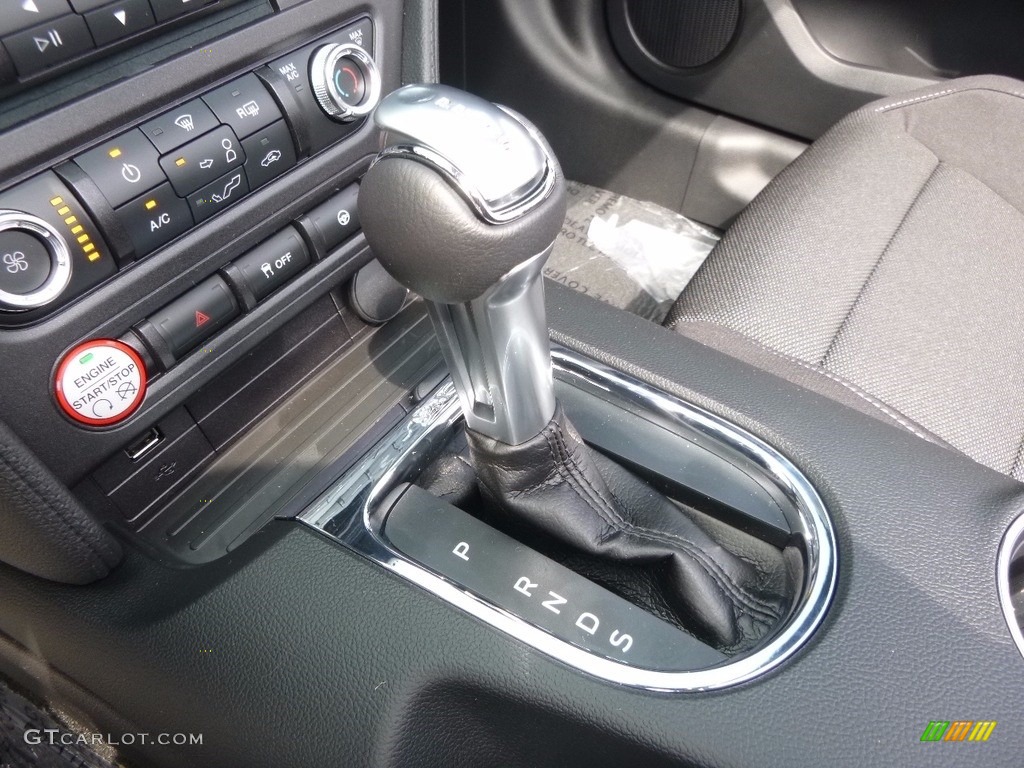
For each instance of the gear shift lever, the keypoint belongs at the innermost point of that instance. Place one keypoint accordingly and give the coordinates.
(462, 206)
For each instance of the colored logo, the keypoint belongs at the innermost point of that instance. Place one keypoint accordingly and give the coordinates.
(958, 730)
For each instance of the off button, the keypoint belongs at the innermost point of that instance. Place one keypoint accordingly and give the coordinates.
(101, 382)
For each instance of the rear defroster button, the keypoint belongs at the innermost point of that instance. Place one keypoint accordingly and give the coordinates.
(100, 382)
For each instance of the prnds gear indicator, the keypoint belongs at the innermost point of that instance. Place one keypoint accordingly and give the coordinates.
(101, 382)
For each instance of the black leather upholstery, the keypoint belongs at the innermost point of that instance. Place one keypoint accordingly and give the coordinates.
(553, 483)
(43, 529)
(883, 269)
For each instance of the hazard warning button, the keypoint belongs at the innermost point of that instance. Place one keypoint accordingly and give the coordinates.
(100, 382)
(189, 321)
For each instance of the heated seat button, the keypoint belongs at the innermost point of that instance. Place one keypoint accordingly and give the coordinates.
(203, 160)
(270, 153)
(49, 44)
(119, 20)
(171, 130)
(273, 263)
(155, 219)
(25, 262)
(123, 168)
(244, 104)
(190, 320)
(217, 196)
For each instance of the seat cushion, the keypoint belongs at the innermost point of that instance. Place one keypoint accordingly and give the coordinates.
(885, 268)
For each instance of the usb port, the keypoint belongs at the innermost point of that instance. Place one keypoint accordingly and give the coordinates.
(144, 445)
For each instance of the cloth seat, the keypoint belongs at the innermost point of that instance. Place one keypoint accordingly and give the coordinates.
(885, 269)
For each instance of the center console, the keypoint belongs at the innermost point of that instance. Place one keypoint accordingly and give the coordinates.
(307, 577)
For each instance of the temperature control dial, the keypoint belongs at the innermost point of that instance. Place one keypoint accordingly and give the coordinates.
(35, 264)
(345, 81)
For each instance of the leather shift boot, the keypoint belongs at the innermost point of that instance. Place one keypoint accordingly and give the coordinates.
(552, 482)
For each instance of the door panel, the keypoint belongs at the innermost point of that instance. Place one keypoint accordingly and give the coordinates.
(772, 71)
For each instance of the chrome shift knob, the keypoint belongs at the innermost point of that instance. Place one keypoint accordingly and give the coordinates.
(462, 206)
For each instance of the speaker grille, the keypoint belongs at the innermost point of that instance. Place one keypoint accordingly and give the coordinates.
(684, 33)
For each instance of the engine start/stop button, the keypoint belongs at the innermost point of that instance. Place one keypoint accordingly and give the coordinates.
(101, 382)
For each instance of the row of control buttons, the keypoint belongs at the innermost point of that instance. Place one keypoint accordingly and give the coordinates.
(182, 167)
(193, 318)
(39, 34)
(155, 182)
(103, 382)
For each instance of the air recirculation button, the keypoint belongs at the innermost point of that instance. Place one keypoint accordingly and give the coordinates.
(35, 264)
(345, 81)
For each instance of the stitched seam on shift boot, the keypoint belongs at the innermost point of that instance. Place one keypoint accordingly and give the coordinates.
(878, 262)
(758, 610)
(69, 522)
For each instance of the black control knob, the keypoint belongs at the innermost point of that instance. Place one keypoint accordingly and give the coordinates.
(35, 263)
(345, 81)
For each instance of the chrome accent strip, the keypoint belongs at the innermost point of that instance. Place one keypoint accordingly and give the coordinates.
(499, 354)
(348, 513)
(1011, 541)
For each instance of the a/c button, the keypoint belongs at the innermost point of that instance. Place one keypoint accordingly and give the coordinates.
(155, 219)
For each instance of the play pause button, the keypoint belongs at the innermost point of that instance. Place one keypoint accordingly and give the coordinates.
(48, 44)
(113, 22)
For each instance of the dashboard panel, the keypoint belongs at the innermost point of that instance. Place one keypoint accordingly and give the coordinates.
(162, 224)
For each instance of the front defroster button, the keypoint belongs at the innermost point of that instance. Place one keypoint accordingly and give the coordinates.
(190, 320)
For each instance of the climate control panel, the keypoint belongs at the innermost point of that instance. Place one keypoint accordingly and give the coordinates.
(68, 229)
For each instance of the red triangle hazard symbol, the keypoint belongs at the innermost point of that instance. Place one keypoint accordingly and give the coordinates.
(201, 318)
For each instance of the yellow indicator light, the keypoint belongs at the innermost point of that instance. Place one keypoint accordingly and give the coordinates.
(89, 249)
(70, 220)
(76, 230)
(64, 211)
(55, 201)
(94, 256)
(179, 162)
(115, 152)
(150, 205)
(83, 238)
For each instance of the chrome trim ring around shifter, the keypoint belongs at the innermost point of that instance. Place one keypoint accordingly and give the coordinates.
(349, 512)
(1009, 551)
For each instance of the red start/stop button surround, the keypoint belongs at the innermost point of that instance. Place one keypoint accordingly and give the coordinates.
(100, 382)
